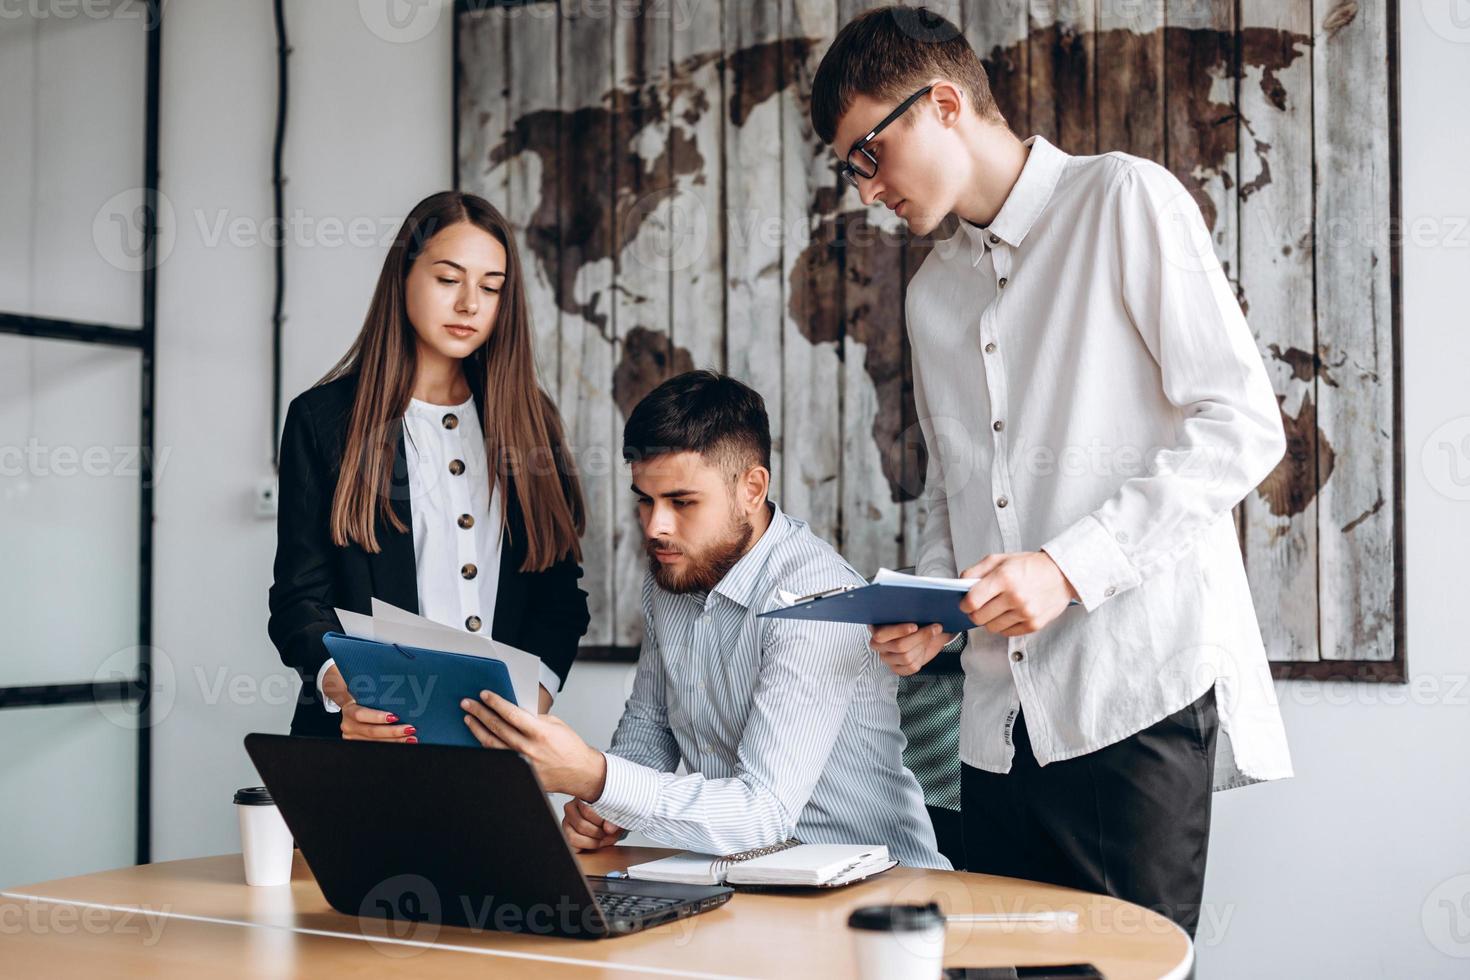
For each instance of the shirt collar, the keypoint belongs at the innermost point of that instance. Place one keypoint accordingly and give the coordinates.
(1024, 204)
(740, 582)
(429, 410)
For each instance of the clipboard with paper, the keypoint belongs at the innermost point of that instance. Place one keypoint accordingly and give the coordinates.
(892, 597)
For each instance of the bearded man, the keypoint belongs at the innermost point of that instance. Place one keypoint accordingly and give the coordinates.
(784, 728)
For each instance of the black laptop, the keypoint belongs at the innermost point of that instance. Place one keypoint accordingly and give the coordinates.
(448, 834)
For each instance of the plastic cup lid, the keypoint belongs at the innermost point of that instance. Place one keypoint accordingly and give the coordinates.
(896, 918)
(254, 796)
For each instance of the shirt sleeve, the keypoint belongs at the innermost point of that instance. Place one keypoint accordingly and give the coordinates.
(936, 546)
(808, 675)
(332, 707)
(549, 680)
(1230, 436)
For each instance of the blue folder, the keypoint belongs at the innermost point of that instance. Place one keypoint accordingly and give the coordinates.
(422, 687)
(879, 605)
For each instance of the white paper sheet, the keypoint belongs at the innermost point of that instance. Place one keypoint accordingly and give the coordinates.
(394, 625)
(356, 624)
(886, 576)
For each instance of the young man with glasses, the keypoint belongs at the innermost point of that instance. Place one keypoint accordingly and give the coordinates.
(1094, 407)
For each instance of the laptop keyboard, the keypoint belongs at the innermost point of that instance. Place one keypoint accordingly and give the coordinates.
(633, 906)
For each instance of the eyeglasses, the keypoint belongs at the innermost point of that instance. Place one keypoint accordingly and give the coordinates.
(860, 162)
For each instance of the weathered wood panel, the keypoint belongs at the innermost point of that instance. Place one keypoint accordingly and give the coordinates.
(1275, 202)
(1063, 42)
(534, 192)
(999, 31)
(1130, 78)
(1355, 331)
(1200, 113)
(484, 82)
(754, 293)
(697, 98)
(675, 209)
(871, 251)
(584, 293)
(642, 253)
(812, 322)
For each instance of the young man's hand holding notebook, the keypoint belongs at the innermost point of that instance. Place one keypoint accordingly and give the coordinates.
(892, 597)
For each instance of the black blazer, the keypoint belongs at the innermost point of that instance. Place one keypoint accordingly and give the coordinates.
(544, 613)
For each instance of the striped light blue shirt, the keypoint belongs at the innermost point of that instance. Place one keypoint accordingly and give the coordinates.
(786, 728)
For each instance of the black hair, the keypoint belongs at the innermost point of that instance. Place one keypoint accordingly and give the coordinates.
(705, 412)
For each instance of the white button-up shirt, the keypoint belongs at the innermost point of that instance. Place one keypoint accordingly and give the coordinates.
(1088, 386)
(457, 568)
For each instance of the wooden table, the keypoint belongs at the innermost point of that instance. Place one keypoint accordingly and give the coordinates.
(198, 918)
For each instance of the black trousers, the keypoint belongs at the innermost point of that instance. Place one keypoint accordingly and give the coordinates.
(1131, 820)
(949, 833)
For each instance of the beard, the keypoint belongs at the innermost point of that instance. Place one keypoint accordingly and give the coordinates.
(706, 567)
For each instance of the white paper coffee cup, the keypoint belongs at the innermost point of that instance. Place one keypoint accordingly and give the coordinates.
(265, 841)
(898, 942)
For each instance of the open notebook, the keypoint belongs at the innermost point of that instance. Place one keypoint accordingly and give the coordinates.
(791, 863)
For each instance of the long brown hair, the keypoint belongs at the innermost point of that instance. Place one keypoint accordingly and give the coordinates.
(523, 431)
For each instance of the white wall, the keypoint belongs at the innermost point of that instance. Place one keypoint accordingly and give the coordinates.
(1340, 871)
(369, 135)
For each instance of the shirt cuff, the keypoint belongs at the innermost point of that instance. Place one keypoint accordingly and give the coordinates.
(1093, 561)
(331, 706)
(550, 681)
(628, 793)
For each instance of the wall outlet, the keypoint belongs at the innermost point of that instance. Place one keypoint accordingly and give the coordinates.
(265, 497)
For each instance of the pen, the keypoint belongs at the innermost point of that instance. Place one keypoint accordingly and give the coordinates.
(1063, 918)
(611, 876)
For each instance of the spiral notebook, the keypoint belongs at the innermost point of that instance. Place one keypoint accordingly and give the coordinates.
(791, 864)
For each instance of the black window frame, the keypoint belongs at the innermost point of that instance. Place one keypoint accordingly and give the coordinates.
(142, 339)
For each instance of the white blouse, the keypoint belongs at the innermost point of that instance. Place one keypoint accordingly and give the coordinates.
(456, 515)
(457, 531)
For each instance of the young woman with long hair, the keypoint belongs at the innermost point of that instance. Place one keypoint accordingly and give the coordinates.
(429, 469)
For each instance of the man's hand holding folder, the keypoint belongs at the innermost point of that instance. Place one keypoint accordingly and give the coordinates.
(563, 761)
(1014, 594)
